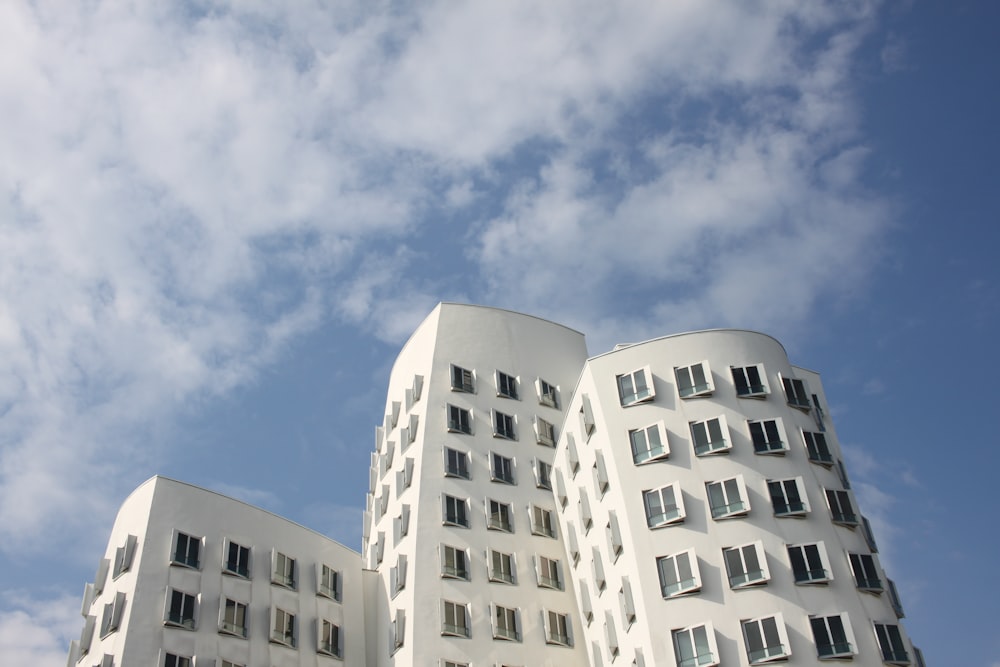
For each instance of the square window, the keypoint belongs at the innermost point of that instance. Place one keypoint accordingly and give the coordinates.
(283, 570)
(635, 387)
(542, 522)
(329, 582)
(796, 393)
(664, 506)
(818, 450)
(549, 573)
(454, 563)
(502, 469)
(499, 516)
(649, 443)
(502, 567)
(891, 644)
(694, 380)
(788, 497)
(767, 437)
(749, 381)
(456, 511)
(809, 563)
(506, 623)
(545, 433)
(558, 629)
(833, 636)
(456, 620)
(186, 551)
(547, 394)
(174, 660)
(456, 463)
(462, 380)
(709, 436)
(503, 426)
(679, 574)
(543, 475)
(746, 565)
(330, 639)
(866, 573)
(283, 627)
(694, 646)
(180, 609)
(506, 385)
(766, 639)
(233, 618)
(237, 559)
(728, 498)
(841, 509)
(459, 420)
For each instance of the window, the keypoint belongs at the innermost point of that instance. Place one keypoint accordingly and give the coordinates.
(417, 388)
(502, 469)
(572, 457)
(237, 560)
(545, 433)
(560, 489)
(586, 607)
(124, 556)
(626, 603)
(543, 474)
(749, 381)
(180, 609)
(586, 517)
(459, 420)
(796, 393)
(101, 575)
(542, 522)
(329, 583)
(649, 443)
(819, 451)
(695, 646)
(499, 516)
(766, 436)
(506, 385)
(503, 426)
(766, 639)
(894, 599)
(611, 635)
(841, 509)
(809, 563)
(174, 660)
(283, 570)
(547, 394)
(502, 568)
(865, 569)
(832, 635)
(597, 564)
(574, 545)
(112, 618)
(746, 565)
(557, 629)
(454, 563)
(506, 623)
(548, 573)
(709, 436)
(462, 379)
(788, 497)
(601, 482)
(397, 631)
(456, 463)
(401, 524)
(890, 642)
(397, 575)
(87, 634)
(449, 663)
(331, 639)
(233, 619)
(107, 660)
(614, 535)
(664, 506)
(404, 477)
(918, 657)
(282, 627)
(456, 620)
(694, 380)
(679, 574)
(186, 550)
(456, 511)
(587, 422)
(842, 474)
(636, 387)
(728, 498)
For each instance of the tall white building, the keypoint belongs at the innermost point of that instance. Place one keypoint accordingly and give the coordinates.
(678, 502)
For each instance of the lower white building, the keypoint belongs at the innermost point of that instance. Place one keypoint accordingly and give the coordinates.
(678, 502)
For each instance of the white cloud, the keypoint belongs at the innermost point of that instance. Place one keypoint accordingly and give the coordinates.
(37, 632)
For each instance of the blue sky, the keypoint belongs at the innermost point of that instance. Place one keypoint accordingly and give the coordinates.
(219, 221)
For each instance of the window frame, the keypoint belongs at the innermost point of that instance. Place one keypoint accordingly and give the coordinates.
(697, 659)
(709, 446)
(645, 452)
(462, 379)
(797, 393)
(506, 622)
(674, 516)
(502, 567)
(751, 390)
(763, 433)
(185, 559)
(545, 432)
(232, 627)
(507, 386)
(558, 628)
(451, 610)
(185, 616)
(237, 567)
(692, 383)
(504, 425)
(833, 649)
(746, 577)
(548, 394)
(454, 460)
(629, 392)
(842, 508)
(766, 653)
(502, 469)
(543, 474)
(499, 516)
(329, 638)
(450, 553)
(681, 587)
(732, 509)
(459, 419)
(112, 618)
(549, 573)
(125, 555)
(786, 506)
(543, 521)
(867, 572)
(329, 582)
(287, 634)
(809, 553)
(459, 519)
(817, 448)
(892, 643)
(284, 570)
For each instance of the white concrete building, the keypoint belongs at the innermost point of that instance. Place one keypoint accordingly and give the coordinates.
(677, 502)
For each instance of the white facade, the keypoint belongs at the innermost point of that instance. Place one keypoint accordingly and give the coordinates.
(676, 502)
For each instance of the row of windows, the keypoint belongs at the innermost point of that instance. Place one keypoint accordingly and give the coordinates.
(765, 640)
(459, 420)
(456, 621)
(499, 516)
(501, 567)
(503, 469)
(507, 386)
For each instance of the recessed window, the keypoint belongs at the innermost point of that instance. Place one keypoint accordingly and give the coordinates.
(572, 457)
(233, 619)
(788, 497)
(454, 563)
(586, 516)
(506, 385)
(572, 543)
(503, 426)
(818, 450)
(456, 620)
(635, 387)
(186, 551)
(112, 618)
(709, 436)
(542, 522)
(587, 422)
(180, 609)
(456, 463)
(796, 393)
(545, 433)
(841, 509)
(600, 470)
(626, 603)
(766, 639)
(501, 468)
(331, 639)
(329, 583)
(543, 474)
(694, 380)
(499, 516)
(237, 560)
(649, 443)
(283, 627)
(866, 573)
(502, 567)
(397, 631)
(767, 437)
(549, 573)
(557, 629)
(401, 524)
(746, 565)
(694, 646)
(664, 506)
(397, 575)
(833, 637)
(124, 556)
(809, 563)
(547, 394)
(459, 420)
(506, 623)
(749, 381)
(597, 564)
(679, 574)
(283, 570)
(891, 644)
(456, 511)
(174, 660)
(728, 498)
(614, 535)
(611, 635)
(462, 379)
